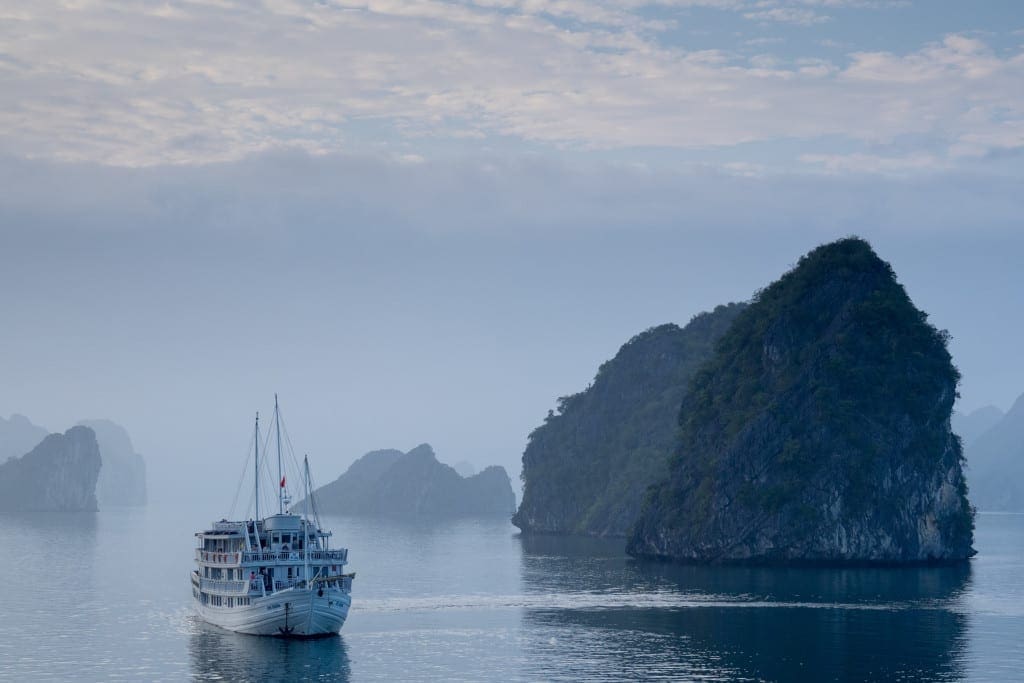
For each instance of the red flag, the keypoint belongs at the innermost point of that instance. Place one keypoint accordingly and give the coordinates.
(282, 482)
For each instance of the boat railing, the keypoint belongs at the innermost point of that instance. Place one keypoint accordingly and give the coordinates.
(224, 558)
(342, 581)
(336, 556)
(224, 586)
(233, 559)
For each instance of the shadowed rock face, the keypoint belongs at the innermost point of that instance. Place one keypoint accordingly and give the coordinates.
(123, 477)
(585, 470)
(58, 474)
(414, 485)
(819, 431)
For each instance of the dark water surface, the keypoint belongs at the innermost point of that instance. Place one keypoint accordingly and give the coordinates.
(106, 597)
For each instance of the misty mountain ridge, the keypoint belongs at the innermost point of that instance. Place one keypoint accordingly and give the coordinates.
(123, 477)
(464, 468)
(995, 463)
(969, 426)
(18, 436)
(414, 485)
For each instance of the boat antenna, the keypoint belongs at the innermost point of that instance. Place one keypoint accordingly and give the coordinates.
(257, 469)
(280, 477)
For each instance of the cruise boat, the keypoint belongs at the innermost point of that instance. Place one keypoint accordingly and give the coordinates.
(276, 575)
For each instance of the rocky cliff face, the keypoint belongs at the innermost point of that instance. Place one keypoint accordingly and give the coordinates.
(58, 474)
(123, 477)
(415, 485)
(586, 468)
(18, 436)
(819, 431)
(995, 462)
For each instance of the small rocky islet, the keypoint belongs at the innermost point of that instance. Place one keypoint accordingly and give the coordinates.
(415, 486)
(59, 474)
(121, 479)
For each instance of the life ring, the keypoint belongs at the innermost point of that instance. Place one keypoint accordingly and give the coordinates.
(293, 556)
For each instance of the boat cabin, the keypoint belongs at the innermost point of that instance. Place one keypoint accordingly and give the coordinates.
(239, 560)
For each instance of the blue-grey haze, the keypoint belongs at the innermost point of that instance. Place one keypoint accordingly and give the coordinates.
(445, 302)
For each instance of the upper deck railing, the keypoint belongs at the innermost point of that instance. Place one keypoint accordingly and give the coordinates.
(224, 587)
(221, 558)
(265, 587)
(339, 556)
(336, 556)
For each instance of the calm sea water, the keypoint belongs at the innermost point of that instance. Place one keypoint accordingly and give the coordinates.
(106, 597)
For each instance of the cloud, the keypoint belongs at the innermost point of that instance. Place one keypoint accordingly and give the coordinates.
(788, 15)
(876, 164)
(191, 83)
(338, 195)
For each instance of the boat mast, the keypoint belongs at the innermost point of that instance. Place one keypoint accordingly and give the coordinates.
(305, 525)
(280, 481)
(257, 471)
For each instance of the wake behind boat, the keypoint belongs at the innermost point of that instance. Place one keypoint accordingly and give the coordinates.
(275, 576)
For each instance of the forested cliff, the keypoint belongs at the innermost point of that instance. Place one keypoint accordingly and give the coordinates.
(819, 430)
(586, 468)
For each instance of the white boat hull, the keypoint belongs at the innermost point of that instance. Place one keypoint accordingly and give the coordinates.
(294, 613)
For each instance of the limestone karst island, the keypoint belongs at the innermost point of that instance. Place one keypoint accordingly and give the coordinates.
(812, 425)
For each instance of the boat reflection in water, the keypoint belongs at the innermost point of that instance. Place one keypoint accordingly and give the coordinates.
(216, 654)
(630, 618)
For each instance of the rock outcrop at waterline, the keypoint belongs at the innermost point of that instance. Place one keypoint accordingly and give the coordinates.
(415, 485)
(819, 431)
(585, 470)
(59, 474)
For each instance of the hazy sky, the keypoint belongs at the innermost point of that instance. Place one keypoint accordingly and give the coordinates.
(424, 221)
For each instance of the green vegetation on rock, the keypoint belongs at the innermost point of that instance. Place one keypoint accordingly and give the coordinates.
(819, 430)
(586, 468)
